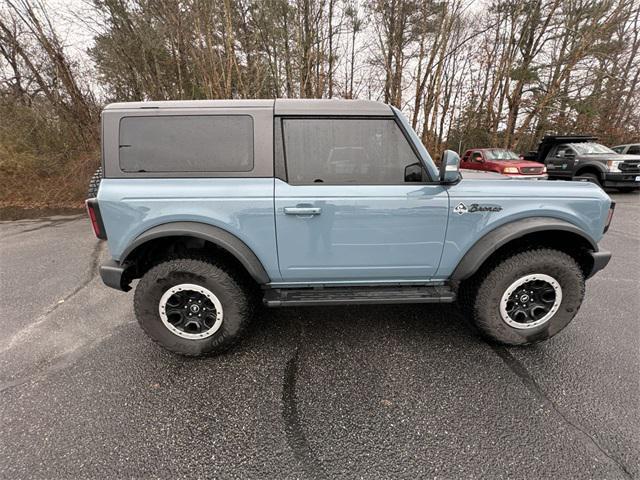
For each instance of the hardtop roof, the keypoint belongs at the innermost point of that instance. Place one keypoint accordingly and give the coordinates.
(182, 104)
(280, 106)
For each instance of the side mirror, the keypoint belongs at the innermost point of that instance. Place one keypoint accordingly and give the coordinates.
(413, 173)
(450, 167)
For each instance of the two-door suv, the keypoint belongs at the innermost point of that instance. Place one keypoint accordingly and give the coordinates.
(216, 205)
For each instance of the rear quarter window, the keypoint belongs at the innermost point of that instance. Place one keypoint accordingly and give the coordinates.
(186, 143)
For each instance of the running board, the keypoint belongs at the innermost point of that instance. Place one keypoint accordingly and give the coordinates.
(280, 297)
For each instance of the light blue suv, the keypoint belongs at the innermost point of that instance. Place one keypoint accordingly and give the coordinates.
(215, 205)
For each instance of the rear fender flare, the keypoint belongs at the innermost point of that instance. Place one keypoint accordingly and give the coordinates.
(215, 235)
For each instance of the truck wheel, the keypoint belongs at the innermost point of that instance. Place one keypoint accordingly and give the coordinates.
(589, 177)
(193, 307)
(94, 183)
(529, 297)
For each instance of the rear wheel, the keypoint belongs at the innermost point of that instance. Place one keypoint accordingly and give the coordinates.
(528, 297)
(193, 307)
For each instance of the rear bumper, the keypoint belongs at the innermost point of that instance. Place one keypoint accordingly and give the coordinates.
(600, 260)
(114, 275)
(621, 180)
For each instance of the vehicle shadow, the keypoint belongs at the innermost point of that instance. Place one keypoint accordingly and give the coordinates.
(344, 328)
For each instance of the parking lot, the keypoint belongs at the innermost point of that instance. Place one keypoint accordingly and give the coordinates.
(357, 392)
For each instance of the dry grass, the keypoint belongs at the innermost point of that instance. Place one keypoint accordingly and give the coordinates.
(43, 161)
(27, 187)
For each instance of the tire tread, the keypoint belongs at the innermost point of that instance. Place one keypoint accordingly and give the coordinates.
(506, 269)
(221, 273)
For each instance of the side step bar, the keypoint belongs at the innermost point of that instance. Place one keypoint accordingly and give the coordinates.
(280, 297)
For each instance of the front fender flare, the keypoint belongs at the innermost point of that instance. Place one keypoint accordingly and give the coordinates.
(590, 165)
(215, 235)
(493, 240)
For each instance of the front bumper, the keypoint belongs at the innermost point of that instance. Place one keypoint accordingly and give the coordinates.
(520, 176)
(114, 275)
(622, 180)
(600, 260)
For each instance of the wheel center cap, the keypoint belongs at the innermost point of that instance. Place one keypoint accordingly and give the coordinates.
(195, 308)
(524, 298)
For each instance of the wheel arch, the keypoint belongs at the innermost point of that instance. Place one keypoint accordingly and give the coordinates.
(595, 168)
(527, 233)
(219, 238)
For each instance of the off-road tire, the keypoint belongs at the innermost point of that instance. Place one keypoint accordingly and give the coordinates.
(94, 183)
(590, 177)
(226, 284)
(488, 291)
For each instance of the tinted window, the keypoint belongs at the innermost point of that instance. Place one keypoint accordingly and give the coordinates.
(221, 143)
(618, 149)
(564, 151)
(346, 151)
(634, 150)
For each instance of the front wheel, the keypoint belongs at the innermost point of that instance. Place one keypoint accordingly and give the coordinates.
(193, 307)
(528, 297)
(589, 177)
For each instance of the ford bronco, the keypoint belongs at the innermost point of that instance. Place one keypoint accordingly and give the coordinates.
(215, 205)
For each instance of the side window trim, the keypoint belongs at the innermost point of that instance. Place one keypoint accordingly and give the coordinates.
(415, 150)
(393, 117)
(279, 155)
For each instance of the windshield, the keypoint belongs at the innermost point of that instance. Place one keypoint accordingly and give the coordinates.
(500, 154)
(589, 148)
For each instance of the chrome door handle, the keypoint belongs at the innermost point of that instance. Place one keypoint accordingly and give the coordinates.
(302, 210)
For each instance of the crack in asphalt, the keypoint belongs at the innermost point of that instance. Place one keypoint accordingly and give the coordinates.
(91, 274)
(530, 383)
(296, 439)
(49, 223)
(66, 358)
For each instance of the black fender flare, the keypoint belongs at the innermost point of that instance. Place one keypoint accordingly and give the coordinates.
(493, 240)
(599, 166)
(215, 235)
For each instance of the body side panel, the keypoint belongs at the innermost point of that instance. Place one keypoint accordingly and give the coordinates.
(242, 207)
(581, 204)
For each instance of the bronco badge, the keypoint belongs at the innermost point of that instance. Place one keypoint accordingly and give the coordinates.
(461, 208)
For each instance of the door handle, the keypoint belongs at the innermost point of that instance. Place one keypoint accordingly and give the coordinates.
(302, 210)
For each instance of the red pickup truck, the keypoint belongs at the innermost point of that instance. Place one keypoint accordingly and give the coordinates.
(502, 161)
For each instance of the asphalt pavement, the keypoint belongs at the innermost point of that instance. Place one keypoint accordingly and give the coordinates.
(357, 392)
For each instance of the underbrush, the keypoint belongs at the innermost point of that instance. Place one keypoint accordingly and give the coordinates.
(44, 162)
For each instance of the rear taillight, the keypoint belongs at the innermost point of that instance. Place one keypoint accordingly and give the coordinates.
(609, 216)
(96, 219)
